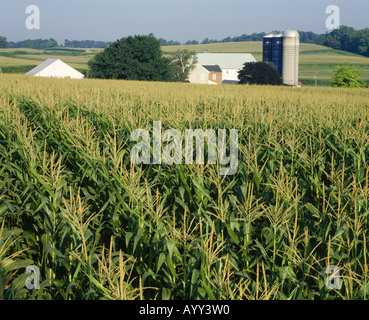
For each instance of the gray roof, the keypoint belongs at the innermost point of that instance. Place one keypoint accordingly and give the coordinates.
(225, 60)
(214, 68)
(230, 82)
(40, 67)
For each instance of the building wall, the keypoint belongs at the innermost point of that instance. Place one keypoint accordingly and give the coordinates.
(199, 75)
(230, 74)
(59, 70)
(218, 77)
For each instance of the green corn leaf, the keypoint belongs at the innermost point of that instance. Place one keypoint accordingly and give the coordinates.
(160, 261)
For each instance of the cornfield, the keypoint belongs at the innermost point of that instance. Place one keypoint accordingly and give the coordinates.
(98, 227)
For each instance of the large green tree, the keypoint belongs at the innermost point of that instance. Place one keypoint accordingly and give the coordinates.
(259, 73)
(133, 58)
(347, 77)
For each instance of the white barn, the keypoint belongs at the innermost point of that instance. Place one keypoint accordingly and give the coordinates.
(229, 63)
(55, 68)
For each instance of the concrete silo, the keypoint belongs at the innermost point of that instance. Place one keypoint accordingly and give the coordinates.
(291, 47)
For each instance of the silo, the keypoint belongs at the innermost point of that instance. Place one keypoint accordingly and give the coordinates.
(291, 47)
(267, 48)
(277, 52)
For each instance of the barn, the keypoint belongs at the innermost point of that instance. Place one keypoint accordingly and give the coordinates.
(55, 68)
(229, 63)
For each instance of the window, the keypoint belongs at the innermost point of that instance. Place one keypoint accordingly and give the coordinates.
(202, 76)
(214, 76)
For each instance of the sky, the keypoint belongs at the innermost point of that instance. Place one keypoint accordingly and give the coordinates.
(180, 20)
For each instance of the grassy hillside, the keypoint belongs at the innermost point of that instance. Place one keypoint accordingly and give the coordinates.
(249, 47)
(13, 59)
(313, 58)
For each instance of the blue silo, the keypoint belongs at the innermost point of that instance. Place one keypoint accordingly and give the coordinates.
(267, 48)
(277, 52)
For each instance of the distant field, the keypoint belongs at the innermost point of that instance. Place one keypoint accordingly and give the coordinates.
(12, 59)
(250, 47)
(74, 61)
(313, 58)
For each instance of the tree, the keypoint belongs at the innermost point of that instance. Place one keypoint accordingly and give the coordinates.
(3, 42)
(259, 73)
(133, 58)
(190, 42)
(347, 77)
(182, 63)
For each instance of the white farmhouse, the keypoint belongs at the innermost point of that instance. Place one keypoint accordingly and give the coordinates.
(55, 68)
(229, 63)
(206, 74)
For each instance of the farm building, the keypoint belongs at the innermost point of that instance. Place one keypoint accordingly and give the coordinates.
(55, 68)
(228, 63)
(207, 74)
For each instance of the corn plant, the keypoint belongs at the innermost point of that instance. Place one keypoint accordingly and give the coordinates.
(98, 227)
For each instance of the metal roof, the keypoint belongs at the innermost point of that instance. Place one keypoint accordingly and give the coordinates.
(291, 34)
(40, 67)
(225, 60)
(214, 68)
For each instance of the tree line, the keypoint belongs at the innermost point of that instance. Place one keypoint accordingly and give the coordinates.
(52, 43)
(344, 38)
(347, 39)
(32, 44)
(305, 37)
(86, 44)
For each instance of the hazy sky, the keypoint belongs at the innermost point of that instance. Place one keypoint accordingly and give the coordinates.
(108, 20)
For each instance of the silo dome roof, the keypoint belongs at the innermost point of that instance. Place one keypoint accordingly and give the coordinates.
(291, 34)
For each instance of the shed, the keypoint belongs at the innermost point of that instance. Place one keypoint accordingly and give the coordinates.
(55, 68)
